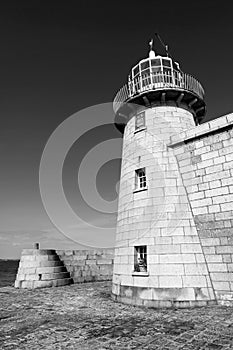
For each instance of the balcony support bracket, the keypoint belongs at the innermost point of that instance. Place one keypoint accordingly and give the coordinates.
(180, 98)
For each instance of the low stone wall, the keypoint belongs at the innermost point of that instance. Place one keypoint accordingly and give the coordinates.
(88, 265)
(205, 158)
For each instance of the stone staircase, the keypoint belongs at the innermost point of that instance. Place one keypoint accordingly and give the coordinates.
(40, 268)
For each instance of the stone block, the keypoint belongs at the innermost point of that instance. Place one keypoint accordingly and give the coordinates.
(170, 281)
(214, 258)
(217, 267)
(27, 258)
(20, 277)
(194, 281)
(225, 286)
(90, 262)
(226, 258)
(185, 239)
(166, 249)
(195, 269)
(104, 261)
(221, 276)
(32, 277)
(209, 250)
(227, 249)
(28, 270)
(166, 269)
(199, 211)
(210, 241)
(191, 248)
(58, 275)
(27, 284)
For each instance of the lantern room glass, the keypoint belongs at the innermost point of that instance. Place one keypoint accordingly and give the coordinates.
(159, 72)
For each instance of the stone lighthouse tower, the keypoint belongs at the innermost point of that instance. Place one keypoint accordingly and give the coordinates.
(159, 260)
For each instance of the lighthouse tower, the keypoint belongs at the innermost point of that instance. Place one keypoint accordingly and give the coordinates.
(159, 260)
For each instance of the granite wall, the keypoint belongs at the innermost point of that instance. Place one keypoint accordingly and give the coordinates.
(88, 265)
(205, 158)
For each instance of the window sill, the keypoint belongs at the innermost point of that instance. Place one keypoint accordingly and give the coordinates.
(140, 189)
(140, 129)
(140, 274)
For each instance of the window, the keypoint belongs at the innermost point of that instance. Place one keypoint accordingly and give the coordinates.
(166, 63)
(144, 65)
(136, 71)
(140, 259)
(140, 120)
(140, 178)
(156, 62)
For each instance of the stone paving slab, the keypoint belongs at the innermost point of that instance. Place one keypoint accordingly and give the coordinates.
(84, 317)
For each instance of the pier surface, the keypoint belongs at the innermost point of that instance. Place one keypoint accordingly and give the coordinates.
(83, 316)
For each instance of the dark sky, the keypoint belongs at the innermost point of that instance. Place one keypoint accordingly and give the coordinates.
(58, 57)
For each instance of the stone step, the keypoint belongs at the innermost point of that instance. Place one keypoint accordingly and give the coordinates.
(42, 277)
(44, 263)
(51, 269)
(38, 252)
(39, 257)
(37, 270)
(52, 276)
(43, 284)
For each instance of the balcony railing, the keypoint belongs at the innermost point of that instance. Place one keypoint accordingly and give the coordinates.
(157, 81)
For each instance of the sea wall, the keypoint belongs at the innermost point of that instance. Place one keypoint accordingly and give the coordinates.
(88, 265)
(205, 158)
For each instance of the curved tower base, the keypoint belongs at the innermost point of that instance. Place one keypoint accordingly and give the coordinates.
(163, 297)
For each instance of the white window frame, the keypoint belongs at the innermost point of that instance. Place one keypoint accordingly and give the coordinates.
(140, 179)
(140, 257)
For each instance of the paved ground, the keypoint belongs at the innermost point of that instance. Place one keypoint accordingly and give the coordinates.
(84, 317)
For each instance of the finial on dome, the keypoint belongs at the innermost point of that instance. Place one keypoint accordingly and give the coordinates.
(151, 53)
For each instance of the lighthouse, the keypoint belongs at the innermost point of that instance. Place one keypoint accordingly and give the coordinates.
(159, 260)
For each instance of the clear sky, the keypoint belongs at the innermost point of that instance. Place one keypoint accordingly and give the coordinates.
(58, 57)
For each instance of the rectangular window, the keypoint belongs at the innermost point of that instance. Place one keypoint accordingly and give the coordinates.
(140, 120)
(140, 259)
(140, 178)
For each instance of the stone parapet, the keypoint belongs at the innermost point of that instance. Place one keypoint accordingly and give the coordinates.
(88, 265)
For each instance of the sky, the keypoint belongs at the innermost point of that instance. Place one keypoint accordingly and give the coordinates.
(60, 57)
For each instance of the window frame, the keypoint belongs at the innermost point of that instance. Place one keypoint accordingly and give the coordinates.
(140, 179)
(140, 126)
(140, 260)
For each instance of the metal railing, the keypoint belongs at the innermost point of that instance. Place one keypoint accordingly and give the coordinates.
(157, 81)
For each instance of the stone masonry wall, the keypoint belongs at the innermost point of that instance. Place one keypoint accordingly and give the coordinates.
(205, 159)
(88, 265)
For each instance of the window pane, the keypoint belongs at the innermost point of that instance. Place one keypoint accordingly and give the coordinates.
(140, 120)
(156, 62)
(136, 70)
(166, 63)
(144, 65)
(140, 178)
(140, 262)
(156, 69)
